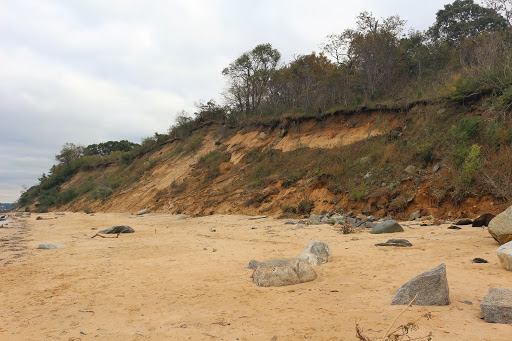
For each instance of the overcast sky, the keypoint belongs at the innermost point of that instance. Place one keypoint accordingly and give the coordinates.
(89, 71)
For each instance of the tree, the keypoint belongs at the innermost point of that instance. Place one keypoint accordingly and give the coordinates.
(504, 7)
(374, 50)
(464, 19)
(249, 76)
(70, 152)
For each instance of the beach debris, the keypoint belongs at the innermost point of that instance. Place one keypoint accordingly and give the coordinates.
(281, 272)
(483, 220)
(497, 306)
(388, 226)
(505, 255)
(395, 242)
(464, 222)
(253, 264)
(500, 226)
(39, 218)
(3, 217)
(430, 286)
(256, 218)
(453, 227)
(116, 229)
(99, 235)
(212, 229)
(467, 302)
(47, 246)
(317, 253)
(479, 260)
(142, 212)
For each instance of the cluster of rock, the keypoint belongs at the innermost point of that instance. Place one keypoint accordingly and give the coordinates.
(281, 272)
(339, 217)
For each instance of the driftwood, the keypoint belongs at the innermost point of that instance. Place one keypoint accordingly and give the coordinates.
(99, 235)
(258, 218)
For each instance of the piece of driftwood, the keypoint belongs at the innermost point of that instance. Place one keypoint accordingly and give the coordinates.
(258, 218)
(99, 235)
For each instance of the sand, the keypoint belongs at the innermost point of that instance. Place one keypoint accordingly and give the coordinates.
(178, 280)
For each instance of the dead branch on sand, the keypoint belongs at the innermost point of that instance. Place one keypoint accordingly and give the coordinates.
(401, 331)
(99, 235)
(258, 218)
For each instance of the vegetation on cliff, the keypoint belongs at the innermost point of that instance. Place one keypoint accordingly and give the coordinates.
(451, 86)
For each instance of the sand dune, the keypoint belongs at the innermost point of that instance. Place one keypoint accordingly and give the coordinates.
(176, 279)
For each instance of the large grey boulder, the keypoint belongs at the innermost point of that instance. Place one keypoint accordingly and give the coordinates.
(505, 255)
(280, 272)
(317, 253)
(141, 212)
(431, 287)
(497, 306)
(47, 246)
(117, 229)
(388, 226)
(500, 226)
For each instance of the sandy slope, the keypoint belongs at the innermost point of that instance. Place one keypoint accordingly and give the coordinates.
(175, 279)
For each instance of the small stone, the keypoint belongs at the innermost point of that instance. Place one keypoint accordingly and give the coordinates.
(497, 306)
(479, 260)
(467, 302)
(46, 246)
(141, 212)
(464, 222)
(414, 215)
(396, 242)
(453, 227)
(181, 217)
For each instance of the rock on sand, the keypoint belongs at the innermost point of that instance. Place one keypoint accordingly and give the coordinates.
(280, 272)
(500, 226)
(431, 287)
(497, 306)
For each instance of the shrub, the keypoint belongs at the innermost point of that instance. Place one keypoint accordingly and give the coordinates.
(358, 192)
(102, 192)
(305, 206)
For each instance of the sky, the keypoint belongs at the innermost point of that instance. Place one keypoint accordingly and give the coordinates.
(90, 71)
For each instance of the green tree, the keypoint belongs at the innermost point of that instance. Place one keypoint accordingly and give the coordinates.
(248, 78)
(70, 152)
(464, 19)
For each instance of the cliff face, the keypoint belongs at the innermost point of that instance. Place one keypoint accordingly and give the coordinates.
(349, 160)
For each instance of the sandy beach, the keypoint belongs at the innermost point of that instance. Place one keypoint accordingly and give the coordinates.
(185, 279)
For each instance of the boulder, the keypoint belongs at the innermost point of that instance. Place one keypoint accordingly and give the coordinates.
(46, 246)
(431, 287)
(497, 306)
(317, 253)
(505, 255)
(315, 219)
(500, 226)
(117, 229)
(464, 222)
(141, 212)
(388, 226)
(280, 272)
(483, 220)
(395, 242)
